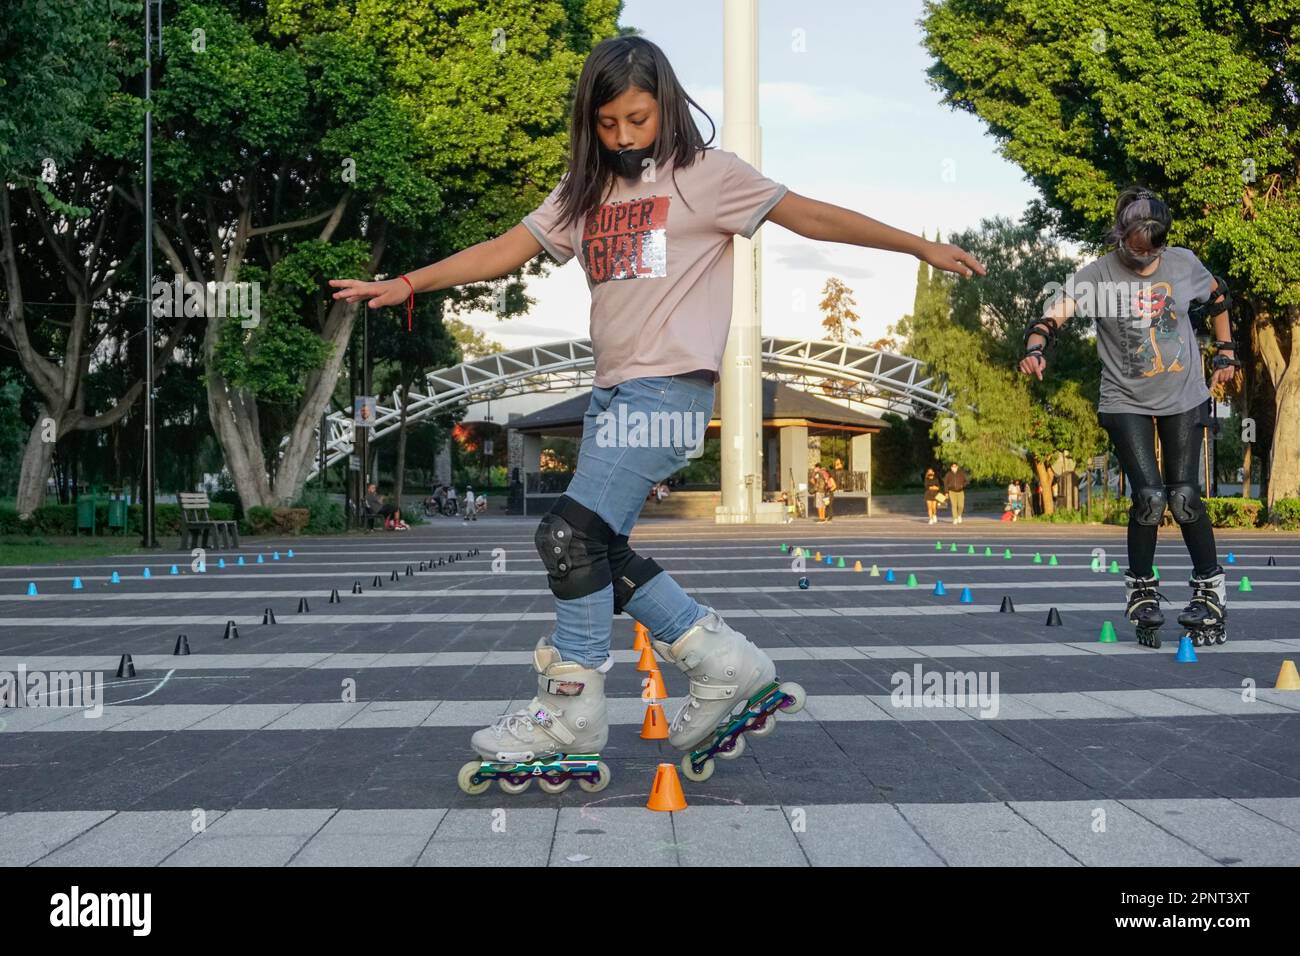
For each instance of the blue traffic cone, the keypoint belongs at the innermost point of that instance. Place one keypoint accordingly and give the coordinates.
(259, 560)
(31, 589)
(241, 560)
(1186, 655)
(275, 555)
(938, 589)
(966, 597)
(829, 559)
(115, 579)
(889, 574)
(221, 562)
(1232, 558)
(174, 570)
(146, 574)
(291, 552)
(76, 584)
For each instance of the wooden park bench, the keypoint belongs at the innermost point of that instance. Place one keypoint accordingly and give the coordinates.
(197, 523)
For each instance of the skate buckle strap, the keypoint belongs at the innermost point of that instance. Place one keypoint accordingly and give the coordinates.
(564, 688)
(549, 722)
(712, 691)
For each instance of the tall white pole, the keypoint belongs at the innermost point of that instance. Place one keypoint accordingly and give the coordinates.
(741, 374)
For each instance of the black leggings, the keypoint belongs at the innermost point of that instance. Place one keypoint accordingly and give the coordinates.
(1180, 441)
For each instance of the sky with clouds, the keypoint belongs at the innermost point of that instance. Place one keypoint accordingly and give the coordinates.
(849, 119)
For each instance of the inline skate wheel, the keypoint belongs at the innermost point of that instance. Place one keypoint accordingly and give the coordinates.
(466, 776)
(1221, 638)
(735, 750)
(798, 695)
(696, 776)
(601, 782)
(768, 725)
(548, 787)
(513, 788)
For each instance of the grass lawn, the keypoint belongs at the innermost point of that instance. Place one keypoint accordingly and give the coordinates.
(51, 548)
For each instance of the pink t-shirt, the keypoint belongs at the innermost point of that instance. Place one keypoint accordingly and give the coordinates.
(659, 272)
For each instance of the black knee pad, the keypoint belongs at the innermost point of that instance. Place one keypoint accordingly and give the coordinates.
(1148, 506)
(629, 570)
(573, 542)
(1185, 502)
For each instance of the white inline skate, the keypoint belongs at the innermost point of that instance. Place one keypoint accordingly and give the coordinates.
(733, 691)
(555, 739)
(1206, 615)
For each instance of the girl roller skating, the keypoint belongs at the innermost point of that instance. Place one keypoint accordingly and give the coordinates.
(649, 210)
(1144, 297)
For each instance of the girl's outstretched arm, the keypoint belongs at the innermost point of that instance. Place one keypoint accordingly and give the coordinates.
(820, 220)
(489, 259)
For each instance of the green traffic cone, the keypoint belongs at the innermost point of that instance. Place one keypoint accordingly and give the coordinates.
(875, 571)
(988, 552)
(1107, 634)
(1052, 561)
(953, 547)
(1096, 564)
(785, 548)
(1006, 553)
(911, 580)
(1038, 558)
(1155, 572)
(938, 546)
(970, 549)
(1245, 584)
(1114, 567)
(840, 563)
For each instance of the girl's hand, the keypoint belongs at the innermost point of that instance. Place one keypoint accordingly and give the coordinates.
(380, 294)
(1224, 374)
(1033, 365)
(950, 258)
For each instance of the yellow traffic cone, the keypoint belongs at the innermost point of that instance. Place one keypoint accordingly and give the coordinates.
(1287, 677)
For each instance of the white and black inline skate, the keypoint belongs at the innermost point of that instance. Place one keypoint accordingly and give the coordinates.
(733, 691)
(556, 739)
(1206, 614)
(1144, 607)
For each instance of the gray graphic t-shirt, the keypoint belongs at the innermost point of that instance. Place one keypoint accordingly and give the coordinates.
(1151, 363)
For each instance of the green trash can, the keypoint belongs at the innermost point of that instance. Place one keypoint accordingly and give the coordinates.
(117, 515)
(86, 514)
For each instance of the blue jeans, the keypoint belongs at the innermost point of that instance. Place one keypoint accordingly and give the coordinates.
(613, 479)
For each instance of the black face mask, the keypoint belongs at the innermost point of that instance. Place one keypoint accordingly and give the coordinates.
(628, 162)
(1134, 261)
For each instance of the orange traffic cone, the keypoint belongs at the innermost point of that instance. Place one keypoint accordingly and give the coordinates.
(655, 725)
(647, 661)
(653, 687)
(666, 794)
(1287, 677)
(817, 556)
(857, 565)
(642, 640)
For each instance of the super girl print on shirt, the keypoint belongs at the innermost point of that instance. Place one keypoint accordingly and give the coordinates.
(627, 240)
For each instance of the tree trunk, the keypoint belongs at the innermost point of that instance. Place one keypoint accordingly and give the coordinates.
(1246, 464)
(35, 470)
(1284, 477)
(299, 453)
(1045, 483)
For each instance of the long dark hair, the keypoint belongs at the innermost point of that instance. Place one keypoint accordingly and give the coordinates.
(1138, 211)
(616, 64)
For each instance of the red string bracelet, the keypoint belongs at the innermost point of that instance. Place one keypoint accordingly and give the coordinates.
(410, 301)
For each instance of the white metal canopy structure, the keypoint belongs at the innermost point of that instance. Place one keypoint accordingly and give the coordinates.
(849, 372)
